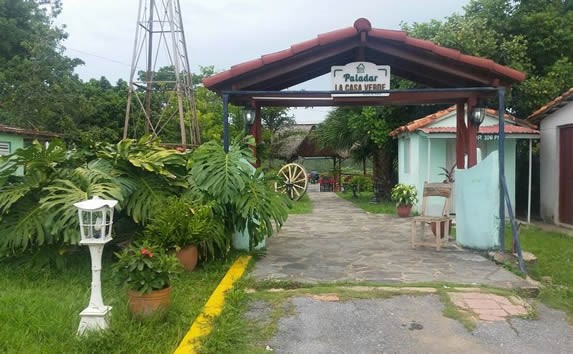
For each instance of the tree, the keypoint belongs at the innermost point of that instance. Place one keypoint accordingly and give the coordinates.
(534, 36)
(365, 130)
(37, 82)
(277, 121)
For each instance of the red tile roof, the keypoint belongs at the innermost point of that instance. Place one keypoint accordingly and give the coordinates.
(27, 132)
(420, 124)
(487, 130)
(392, 37)
(551, 106)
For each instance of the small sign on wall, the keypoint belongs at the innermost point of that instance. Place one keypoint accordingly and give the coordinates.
(360, 76)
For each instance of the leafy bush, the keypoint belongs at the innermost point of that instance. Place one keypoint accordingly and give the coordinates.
(36, 209)
(144, 267)
(362, 183)
(404, 194)
(178, 223)
(243, 198)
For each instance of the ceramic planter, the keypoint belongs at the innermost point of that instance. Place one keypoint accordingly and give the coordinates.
(443, 226)
(146, 304)
(188, 257)
(404, 210)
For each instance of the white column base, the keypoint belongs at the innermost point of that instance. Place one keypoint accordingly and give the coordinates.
(93, 319)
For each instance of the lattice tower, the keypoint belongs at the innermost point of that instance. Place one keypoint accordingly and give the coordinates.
(160, 94)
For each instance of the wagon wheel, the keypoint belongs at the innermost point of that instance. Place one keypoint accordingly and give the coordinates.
(295, 181)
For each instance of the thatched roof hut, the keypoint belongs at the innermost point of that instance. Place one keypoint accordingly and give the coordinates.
(299, 141)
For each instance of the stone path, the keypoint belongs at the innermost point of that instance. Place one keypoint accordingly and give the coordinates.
(340, 242)
(490, 307)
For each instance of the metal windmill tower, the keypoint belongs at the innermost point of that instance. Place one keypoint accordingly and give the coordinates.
(157, 98)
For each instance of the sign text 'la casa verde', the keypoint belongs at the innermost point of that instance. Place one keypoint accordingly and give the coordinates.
(361, 76)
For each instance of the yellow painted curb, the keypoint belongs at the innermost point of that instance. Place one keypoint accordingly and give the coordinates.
(202, 325)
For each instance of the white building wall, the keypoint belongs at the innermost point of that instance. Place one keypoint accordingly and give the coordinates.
(549, 161)
(409, 168)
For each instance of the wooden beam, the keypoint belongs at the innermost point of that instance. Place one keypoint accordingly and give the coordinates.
(412, 72)
(291, 79)
(295, 63)
(425, 61)
(325, 99)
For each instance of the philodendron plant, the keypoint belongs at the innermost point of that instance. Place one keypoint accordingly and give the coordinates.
(243, 198)
(404, 194)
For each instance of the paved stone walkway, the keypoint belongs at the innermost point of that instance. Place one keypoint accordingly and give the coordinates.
(340, 242)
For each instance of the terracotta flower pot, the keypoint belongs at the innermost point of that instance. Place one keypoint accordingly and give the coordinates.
(188, 257)
(434, 227)
(404, 210)
(146, 304)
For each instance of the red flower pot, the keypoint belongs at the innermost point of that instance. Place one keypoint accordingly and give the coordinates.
(404, 210)
(188, 257)
(146, 304)
(443, 226)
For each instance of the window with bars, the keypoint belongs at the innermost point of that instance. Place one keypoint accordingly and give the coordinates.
(4, 148)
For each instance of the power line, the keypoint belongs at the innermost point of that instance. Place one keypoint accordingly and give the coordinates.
(100, 57)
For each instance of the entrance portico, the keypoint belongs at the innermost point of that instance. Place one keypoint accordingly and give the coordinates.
(445, 76)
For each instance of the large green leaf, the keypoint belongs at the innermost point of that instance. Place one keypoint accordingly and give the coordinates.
(11, 193)
(148, 192)
(221, 175)
(26, 225)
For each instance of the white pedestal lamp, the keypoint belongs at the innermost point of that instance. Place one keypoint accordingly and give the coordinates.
(96, 220)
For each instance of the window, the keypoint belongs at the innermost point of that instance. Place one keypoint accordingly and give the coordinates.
(4, 148)
(406, 156)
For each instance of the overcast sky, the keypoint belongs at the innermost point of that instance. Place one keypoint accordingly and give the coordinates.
(228, 32)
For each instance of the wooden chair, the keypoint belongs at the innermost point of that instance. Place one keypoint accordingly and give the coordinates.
(441, 220)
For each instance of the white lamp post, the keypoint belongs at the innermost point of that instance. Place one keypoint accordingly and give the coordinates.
(96, 220)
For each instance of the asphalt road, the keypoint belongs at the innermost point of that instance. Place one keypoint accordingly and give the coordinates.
(410, 324)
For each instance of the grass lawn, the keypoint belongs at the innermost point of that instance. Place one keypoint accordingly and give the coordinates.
(39, 310)
(554, 254)
(301, 206)
(363, 202)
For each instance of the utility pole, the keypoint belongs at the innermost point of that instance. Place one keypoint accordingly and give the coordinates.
(156, 99)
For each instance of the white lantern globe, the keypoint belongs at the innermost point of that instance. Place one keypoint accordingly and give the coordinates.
(96, 219)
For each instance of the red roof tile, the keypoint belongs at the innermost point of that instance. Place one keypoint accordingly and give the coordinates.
(419, 124)
(490, 129)
(504, 73)
(551, 106)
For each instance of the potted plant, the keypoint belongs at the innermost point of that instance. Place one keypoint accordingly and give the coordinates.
(182, 227)
(147, 271)
(405, 196)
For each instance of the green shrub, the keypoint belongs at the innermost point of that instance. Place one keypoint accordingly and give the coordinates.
(178, 223)
(404, 194)
(144, 267)
(362, 183)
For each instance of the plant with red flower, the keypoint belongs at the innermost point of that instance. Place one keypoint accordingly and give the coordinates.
(144, 267)
(146, 252)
